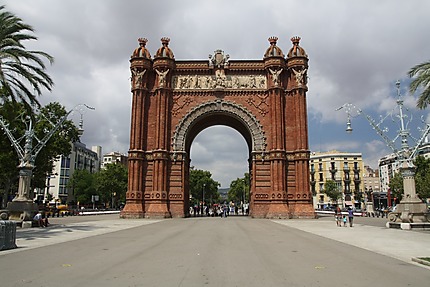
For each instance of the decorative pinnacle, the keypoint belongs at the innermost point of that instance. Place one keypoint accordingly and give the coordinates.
(142, 41)
(273, 40)
(295, 40)
(165, 41)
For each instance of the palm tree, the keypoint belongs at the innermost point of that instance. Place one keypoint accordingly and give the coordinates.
(422, 73)
(20, 69)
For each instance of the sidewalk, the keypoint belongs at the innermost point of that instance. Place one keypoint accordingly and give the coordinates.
(400, 244)
(30, 238)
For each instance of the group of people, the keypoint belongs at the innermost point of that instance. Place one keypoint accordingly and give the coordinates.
(342, 218)
(222, 210)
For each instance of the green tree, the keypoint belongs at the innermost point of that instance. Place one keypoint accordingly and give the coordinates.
(22, 71)
(332, 190)
(8, 170)
(396, 186)
(238, 189)
(422, 177)
(421, 72)
(111, 184)
(201, 181)
(82, 182)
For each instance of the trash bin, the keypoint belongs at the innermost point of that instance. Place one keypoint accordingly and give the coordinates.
(7, 234)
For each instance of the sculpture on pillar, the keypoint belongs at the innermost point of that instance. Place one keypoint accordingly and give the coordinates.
(299, 76)
(137, 78)
(275, 75)
(162, 77)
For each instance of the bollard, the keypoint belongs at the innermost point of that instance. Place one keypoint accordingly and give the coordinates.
(7, 234)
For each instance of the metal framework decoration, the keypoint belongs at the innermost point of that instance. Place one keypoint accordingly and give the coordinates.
(22, 207)
(411, 208)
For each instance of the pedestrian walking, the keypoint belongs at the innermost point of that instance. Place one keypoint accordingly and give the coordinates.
(338, 216)
(350, 216)
(344, 221)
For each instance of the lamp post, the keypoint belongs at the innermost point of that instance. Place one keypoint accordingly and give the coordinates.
(22, 207)
(203, 199)
(411, 208)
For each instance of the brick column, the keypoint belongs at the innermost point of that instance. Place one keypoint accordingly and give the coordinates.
(134, 207)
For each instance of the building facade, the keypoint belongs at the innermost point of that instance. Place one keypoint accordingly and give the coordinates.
(114, 157)
(371, 179)
(345, 169)
(57, 183)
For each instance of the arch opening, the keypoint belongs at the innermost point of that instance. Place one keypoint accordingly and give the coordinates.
(223, 152)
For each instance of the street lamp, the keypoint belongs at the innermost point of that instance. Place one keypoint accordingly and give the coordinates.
(411, 208)
(203, 198)
(22, 207)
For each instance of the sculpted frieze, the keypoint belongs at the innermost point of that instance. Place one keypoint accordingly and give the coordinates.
(201, 82)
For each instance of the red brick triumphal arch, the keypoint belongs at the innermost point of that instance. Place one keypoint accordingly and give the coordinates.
(174, 100)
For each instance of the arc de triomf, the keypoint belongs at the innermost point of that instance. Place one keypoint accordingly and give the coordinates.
(174, 100)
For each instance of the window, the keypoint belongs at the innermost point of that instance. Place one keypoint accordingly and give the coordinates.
(65, 162)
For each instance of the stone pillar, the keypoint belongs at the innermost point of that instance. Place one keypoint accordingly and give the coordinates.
(411, 208)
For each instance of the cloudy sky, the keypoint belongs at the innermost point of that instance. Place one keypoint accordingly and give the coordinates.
(357, 51)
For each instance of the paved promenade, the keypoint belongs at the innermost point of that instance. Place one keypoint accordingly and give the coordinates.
(237, 251)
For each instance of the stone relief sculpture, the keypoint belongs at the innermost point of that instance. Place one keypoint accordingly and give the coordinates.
(299, 76)
(275, 75)
(219, 59)
(137, 77)
(162, 77)
(198, 82)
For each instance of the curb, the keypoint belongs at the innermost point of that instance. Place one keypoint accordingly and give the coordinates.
(424, 262)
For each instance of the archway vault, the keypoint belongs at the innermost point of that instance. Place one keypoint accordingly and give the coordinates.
(222, 113)
(264, 100)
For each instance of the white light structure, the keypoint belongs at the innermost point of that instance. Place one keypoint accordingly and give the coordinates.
(22, 207)
(411, 208)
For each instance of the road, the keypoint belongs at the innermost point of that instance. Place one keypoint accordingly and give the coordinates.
(237, 251)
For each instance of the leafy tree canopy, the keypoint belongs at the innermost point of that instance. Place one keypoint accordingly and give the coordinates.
(83, 185)
(396, 186)
(111, 184)
(239, 189)
(22, 71)
(421, 79)
(332, 190)
(201, 180)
